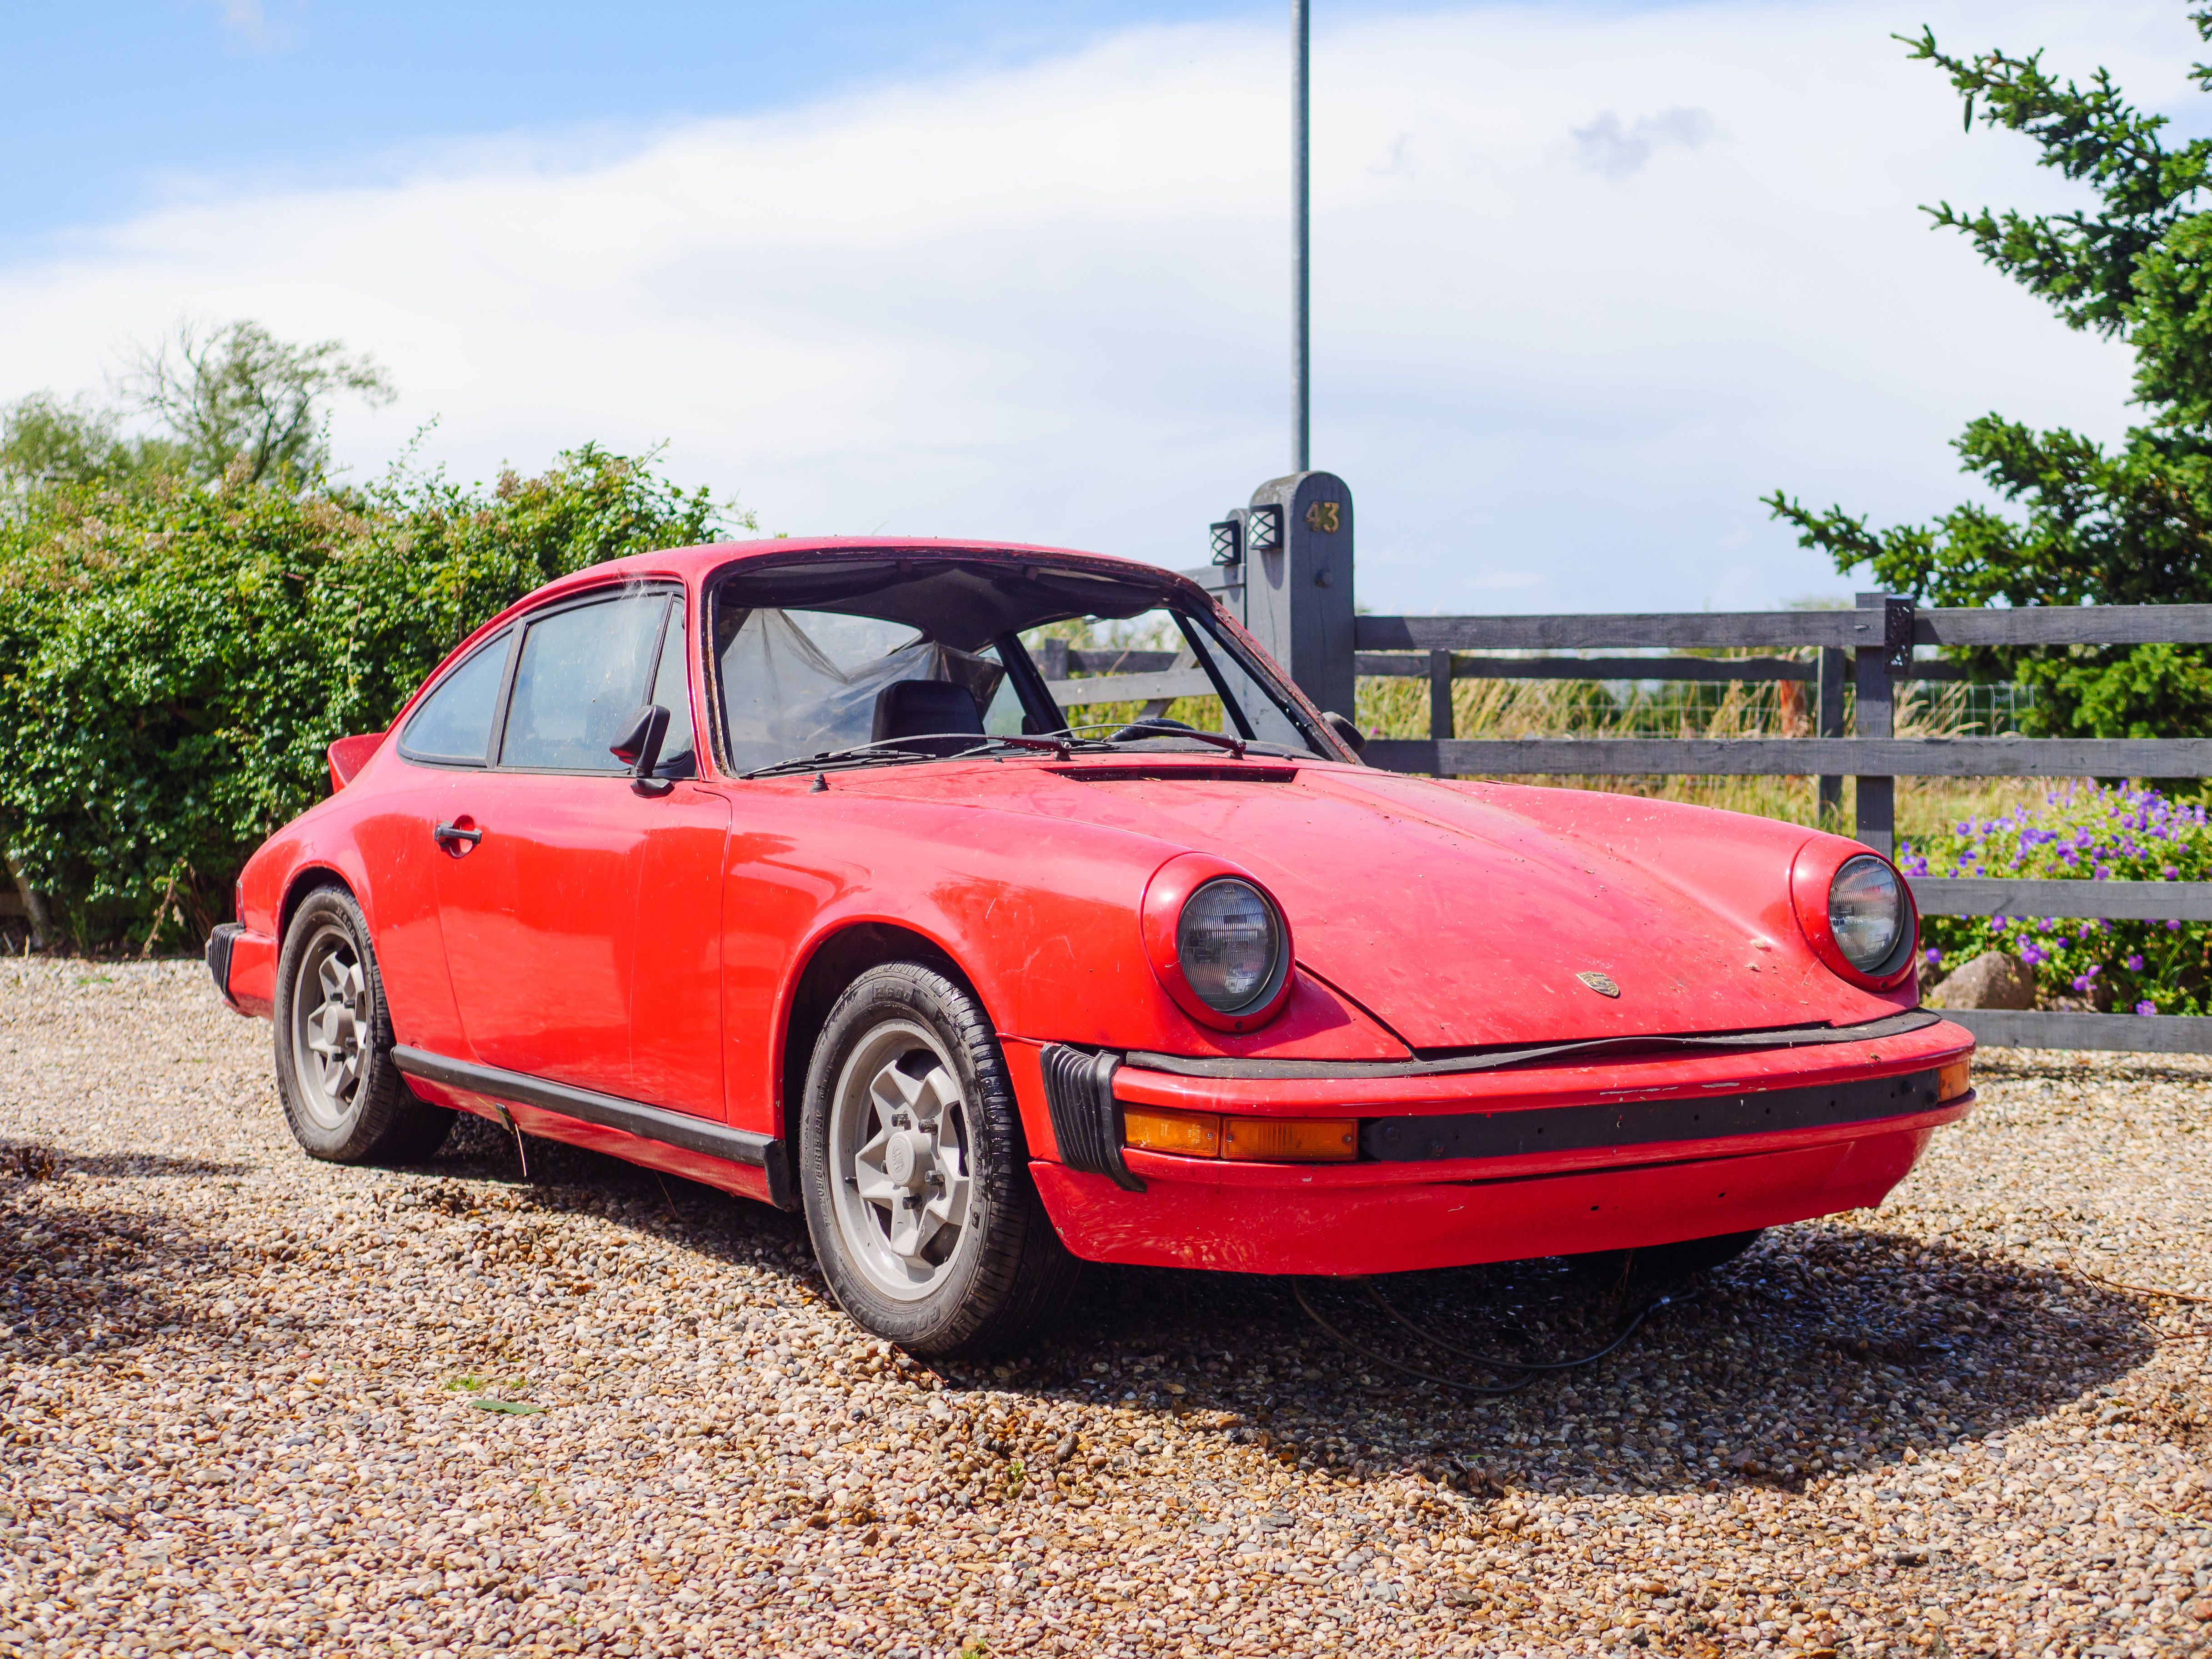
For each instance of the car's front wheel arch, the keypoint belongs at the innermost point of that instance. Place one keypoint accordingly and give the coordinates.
(913, 1172)
(833, 964)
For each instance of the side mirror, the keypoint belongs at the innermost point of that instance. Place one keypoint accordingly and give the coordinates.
(1351, 737)
(639, 749)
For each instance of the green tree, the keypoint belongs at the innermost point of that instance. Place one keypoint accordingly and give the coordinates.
(237, 398)
(223, 401)
(2083, 524)
(45, 442)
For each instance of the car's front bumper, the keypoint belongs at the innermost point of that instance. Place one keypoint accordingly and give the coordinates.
(1523, 1196)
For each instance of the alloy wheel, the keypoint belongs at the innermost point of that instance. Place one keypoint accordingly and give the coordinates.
(900, 1149)
(330, 1026)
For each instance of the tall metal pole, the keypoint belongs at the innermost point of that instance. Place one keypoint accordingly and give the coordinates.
(1301, 248)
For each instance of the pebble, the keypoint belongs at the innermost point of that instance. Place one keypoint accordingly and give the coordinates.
(250, 1403)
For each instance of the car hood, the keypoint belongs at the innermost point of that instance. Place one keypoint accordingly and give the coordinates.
(1466, 915)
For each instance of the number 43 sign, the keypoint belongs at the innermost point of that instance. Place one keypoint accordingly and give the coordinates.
(1322, 516)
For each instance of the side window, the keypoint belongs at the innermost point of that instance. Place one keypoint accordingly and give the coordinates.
(581, 680)
(454, 724)
(671, 689)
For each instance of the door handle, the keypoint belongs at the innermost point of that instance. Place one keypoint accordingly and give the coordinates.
(446, 834)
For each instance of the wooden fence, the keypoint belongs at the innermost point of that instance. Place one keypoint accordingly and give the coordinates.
(1284, 565)
(1873, 644)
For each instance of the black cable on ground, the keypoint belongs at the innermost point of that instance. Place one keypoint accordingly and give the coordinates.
(1533, 1368)
(1350, 1346)
(1496, 1364)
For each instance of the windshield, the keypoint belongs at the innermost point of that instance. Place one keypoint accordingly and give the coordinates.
(1166, 667)
(878, 661)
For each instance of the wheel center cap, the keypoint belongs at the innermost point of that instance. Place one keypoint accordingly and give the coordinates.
(906, 1158)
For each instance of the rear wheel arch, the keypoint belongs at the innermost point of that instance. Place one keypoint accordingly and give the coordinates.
(304, 881)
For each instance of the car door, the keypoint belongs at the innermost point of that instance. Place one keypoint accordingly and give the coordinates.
(447, 738)
(542, 892)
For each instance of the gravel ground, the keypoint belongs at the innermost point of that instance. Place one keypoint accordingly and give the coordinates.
(256, 1404)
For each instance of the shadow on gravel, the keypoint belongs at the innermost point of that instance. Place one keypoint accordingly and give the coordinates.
(1826, 1348)
(40, 1162)
(84, 1277)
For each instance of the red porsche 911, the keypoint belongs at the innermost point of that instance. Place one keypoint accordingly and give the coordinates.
(777, 866)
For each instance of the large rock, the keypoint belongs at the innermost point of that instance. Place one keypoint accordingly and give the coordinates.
(1992, 980)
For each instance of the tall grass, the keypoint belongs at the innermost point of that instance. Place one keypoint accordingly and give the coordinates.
(1397, 708)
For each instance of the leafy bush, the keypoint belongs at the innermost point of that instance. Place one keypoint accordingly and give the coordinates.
(2085, 833)
(174, 660)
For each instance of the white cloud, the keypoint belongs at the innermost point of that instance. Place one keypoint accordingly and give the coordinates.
(250, 20)
(1607, 146)
(1051, 303)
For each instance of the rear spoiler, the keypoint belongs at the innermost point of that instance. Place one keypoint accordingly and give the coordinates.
(348, 755)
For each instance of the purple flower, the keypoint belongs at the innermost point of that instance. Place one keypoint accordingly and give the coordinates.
(1998, 924)
(2170, 872)
(2146, 1006)
(2030, 954)
(1933, 958)
(2081, 982)
(2172, 926)
(2134, 965)
(2104, 872)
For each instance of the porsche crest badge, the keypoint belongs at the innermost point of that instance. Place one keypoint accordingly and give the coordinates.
(1601, 983)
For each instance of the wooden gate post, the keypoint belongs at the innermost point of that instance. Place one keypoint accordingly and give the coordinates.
(1886, 654)
(1299, 600)
(1828, 797)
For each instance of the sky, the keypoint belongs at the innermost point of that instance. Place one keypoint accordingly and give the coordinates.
(1589, 279)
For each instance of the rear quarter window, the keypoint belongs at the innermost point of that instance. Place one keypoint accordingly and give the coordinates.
(454, 723)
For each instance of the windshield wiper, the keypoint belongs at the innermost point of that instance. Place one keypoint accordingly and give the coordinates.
(884, 750)
(1127, 732)
(865, 755)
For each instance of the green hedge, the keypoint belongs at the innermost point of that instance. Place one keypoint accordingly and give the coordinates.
(174, 660)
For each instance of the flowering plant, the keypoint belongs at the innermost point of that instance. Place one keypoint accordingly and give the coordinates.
(2088, 833)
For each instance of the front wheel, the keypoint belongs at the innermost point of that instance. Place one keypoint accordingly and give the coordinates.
(343, 1097)
(914, 1175)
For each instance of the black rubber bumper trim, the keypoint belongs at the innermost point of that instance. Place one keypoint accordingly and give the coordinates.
(218, 955)
(1086, 1119)
(1787, 1036)
(693, 1134)
(1679, 1117)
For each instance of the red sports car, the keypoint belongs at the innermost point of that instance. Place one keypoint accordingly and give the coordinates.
(779, 866)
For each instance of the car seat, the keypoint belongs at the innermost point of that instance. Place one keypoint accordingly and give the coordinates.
(935, 717)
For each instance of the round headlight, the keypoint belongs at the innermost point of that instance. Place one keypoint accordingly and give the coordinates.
(1866, 912)
(1229, 943)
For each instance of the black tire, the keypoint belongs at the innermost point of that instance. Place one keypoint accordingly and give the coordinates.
(1656, 1265)
(880, 1214)
(343, 1098)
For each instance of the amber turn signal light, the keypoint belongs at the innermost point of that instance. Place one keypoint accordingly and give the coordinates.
(1188, 1135)
(1289, 1140)
(1255, 1139)
(1955, 1079)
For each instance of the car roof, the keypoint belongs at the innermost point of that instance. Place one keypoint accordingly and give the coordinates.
(693, 565)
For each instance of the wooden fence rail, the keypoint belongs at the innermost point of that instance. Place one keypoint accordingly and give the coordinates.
(1296, 597)
(1875, 641)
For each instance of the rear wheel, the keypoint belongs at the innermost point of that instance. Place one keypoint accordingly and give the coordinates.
(914, 1173)
(343, 1098)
